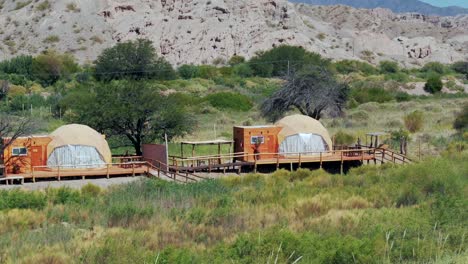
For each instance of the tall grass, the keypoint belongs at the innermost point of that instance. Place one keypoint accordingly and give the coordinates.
(414, 213)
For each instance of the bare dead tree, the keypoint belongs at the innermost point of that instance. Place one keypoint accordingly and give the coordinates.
(11, 128)
(312, 90)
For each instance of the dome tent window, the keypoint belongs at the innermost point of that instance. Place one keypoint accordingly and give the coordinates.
(303, 143)
(76, 157)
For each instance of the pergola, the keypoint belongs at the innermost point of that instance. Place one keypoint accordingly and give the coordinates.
(217, 142)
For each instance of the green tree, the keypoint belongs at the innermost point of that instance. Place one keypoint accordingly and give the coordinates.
(414, 121)
(132, 60)
(50, 66)
(434, 84)
(22, 65)
(434, 67)
(313, 90)
(283, 60)
(133, 109)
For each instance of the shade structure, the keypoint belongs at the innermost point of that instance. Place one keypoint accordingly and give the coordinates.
(303, 134)
(78, 146)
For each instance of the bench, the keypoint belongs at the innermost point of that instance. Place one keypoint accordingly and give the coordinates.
(10, 179)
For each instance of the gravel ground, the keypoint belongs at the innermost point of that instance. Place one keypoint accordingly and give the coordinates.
(74, 184)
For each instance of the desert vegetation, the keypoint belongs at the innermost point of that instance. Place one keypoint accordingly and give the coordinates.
(387, 214)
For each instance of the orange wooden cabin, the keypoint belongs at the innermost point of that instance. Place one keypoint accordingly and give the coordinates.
(24, 153)
(256, 140)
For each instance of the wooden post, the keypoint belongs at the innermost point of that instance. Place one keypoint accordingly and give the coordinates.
(255, 166)
(342, 161)
(58, 172)
(209, 165)
(219, 153)
(300, 161)
(176, 167)
(277, 161)
(133, 169)
(321, 160)
(107, 171)
(32, 174)
(186, 176)
(383, 156)
(362, 157)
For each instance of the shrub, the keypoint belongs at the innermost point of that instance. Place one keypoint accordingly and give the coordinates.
(22, 200)
(207, 72)
(90, 190)
(409, 196)
(461, 120)
(236, 59)
(373, 94)
(51, 39)
(188, 71)
(43, 6)
(434, 84)
(228, 100)
(350, 66)
(461, 67)
(414, 121)
(63, 195)
(342, 138)
(434, 67)
(243, 70)
(389, 67)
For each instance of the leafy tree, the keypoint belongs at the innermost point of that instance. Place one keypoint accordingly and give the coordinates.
(129, 108)
(389, 67)
(312, 91)
(22, 65)
(434, 84)
(132, 60)
(228, 100)
(188, 71)
(461, 67)
(50, 66)
(278, 61)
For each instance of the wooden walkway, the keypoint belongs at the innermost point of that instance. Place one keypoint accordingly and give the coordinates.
(184, 170)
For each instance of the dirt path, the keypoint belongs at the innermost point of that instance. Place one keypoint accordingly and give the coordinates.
(74, 184)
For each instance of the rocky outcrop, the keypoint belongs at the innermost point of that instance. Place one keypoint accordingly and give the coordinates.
(201, 31)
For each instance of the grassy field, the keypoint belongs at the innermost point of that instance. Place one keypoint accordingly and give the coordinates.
(411, 214)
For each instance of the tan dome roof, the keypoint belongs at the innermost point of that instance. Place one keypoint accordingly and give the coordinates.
(301, 124)
(75, 134)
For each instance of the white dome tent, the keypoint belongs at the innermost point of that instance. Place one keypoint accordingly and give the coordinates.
(78, 147)
(304, 135)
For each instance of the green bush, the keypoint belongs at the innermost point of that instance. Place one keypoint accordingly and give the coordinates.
(373, 94)
(414, 121)
(461, 119)
(22, 200)
(389, 67)
(188, 71)
(243, 70)
(435, 67)
(342, 138)
(350, 66)
(461, 67)
(236, 59)
(228, 100)
(63, 195)
(434, 84)
(207, 72)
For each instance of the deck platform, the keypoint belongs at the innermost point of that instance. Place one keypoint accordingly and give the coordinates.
(65, 173)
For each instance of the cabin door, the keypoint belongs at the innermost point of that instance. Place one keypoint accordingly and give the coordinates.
(36, 156)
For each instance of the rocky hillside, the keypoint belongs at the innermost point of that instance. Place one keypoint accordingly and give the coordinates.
(203, 31)
(398, 6)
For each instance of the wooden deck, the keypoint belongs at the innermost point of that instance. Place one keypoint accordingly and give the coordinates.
(136, 169)
(238, 160)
